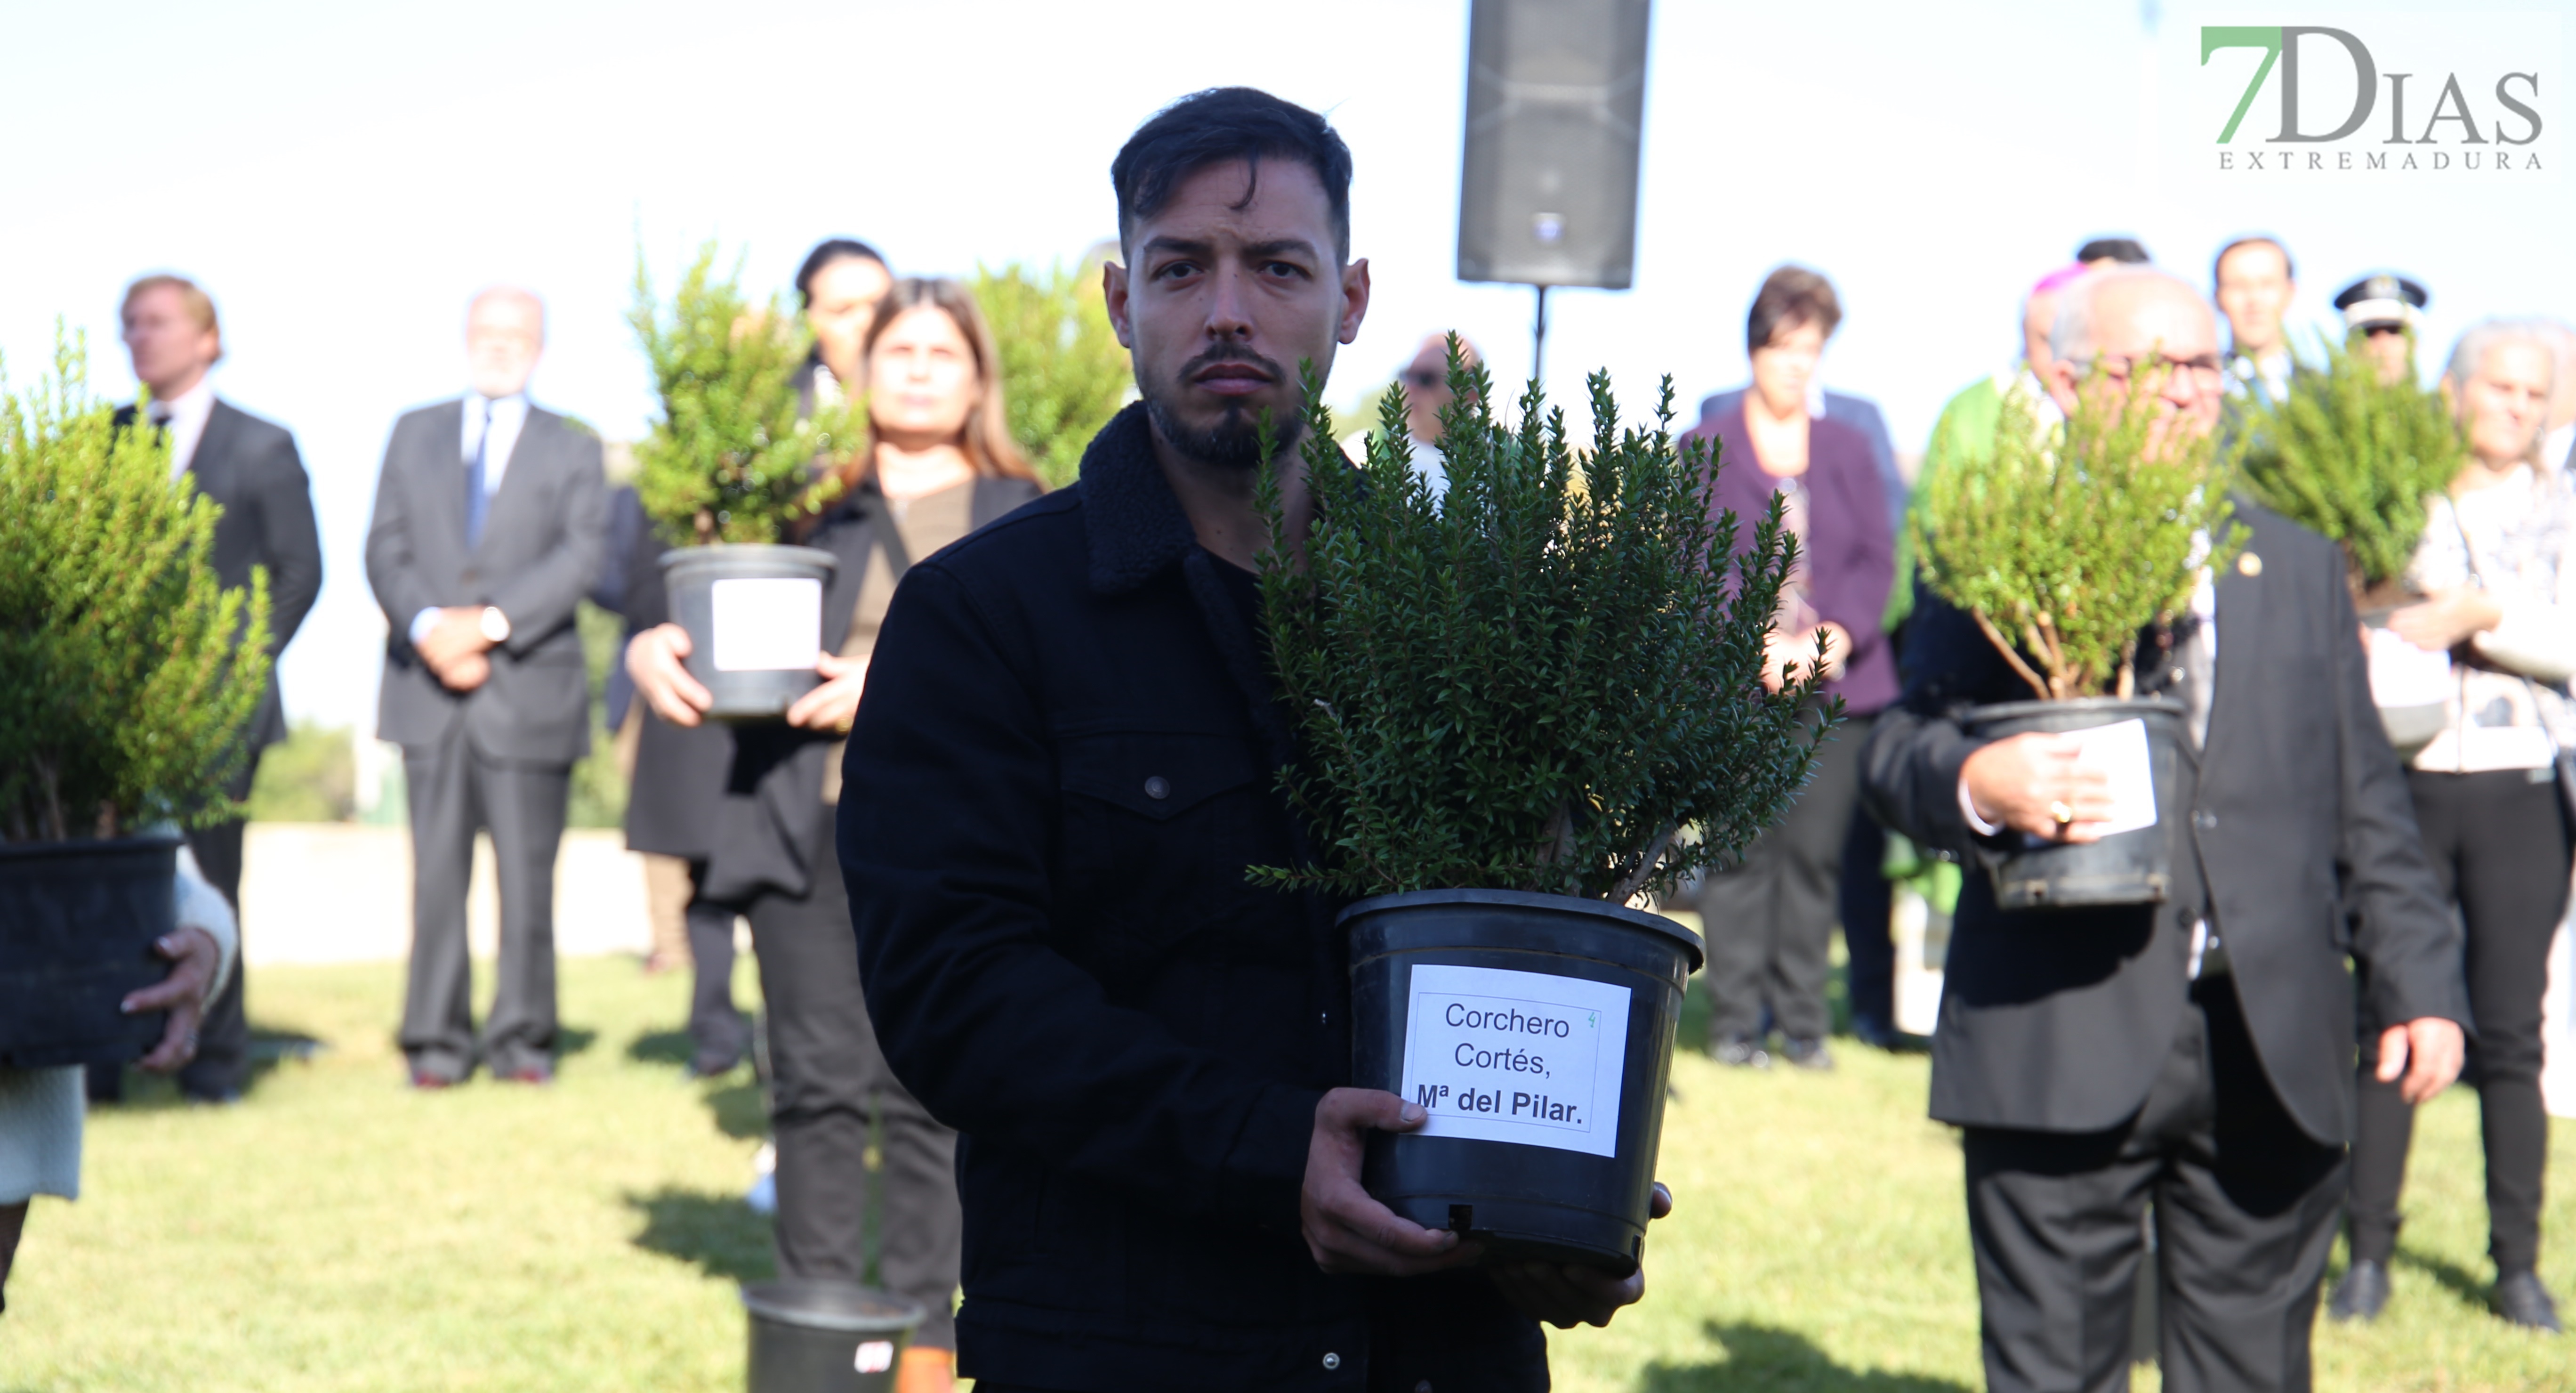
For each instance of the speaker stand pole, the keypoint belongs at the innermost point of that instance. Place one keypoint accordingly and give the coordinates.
(1538, 340)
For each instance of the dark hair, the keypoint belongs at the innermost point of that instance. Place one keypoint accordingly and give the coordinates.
(826, 252)
(2124, 250)
(1228, 123)
(2259, 239)
(1791, 296)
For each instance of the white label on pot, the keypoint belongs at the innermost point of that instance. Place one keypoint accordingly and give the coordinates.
(2119, 750)
(1517, 1056)
(765, 625)
(2402, 674)
(874, 1357)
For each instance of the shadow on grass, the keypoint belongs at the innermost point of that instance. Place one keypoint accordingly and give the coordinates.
(717, 1233)
(1765, 1359)
(739, 1110)
(662, 1047)
(2464, 1284)
(571, 1040)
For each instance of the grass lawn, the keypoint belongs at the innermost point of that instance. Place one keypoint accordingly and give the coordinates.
(338, 1233)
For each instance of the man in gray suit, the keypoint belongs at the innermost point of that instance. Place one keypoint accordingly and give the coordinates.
(490, 518)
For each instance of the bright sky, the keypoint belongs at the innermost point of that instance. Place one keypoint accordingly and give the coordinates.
(342, 177)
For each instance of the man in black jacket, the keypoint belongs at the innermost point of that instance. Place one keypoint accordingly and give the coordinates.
(2196, 1053)
(1063, 765)
(250, 468)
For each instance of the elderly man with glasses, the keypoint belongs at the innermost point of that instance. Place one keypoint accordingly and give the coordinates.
(2195, 1054)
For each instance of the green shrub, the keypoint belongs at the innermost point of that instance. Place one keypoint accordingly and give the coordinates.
(126, 672)
(2354, 458)
(1539, 680)
(729, 460)
(310, 776)
(1063, 372)
(2069, 541)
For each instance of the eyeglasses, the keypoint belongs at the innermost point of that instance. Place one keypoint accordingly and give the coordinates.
(2204, 369)
(2381, 331)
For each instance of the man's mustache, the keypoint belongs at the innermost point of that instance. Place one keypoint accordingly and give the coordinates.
(1222, 356)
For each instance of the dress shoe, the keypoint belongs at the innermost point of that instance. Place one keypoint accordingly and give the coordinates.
(2523, 1301)
(1742, 1052)
(713, 1066)
(428, 1081)
(2361, 1294)
(537, 1074)
(1808, 1054)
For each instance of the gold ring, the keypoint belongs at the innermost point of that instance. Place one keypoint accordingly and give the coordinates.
(2064, 814)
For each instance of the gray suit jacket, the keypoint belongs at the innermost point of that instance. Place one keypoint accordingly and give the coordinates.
(538, 556)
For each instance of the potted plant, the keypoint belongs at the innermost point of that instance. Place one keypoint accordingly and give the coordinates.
(2355, 455)
(732, 467)
(1521, 706)
(126, 677)
(2065, 547)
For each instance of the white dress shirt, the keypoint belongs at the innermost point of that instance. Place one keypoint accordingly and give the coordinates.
(184, 417)
(509, 417)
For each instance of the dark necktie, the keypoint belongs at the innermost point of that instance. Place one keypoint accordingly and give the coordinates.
(477, 503)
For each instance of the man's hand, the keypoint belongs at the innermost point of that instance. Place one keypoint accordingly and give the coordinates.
(457, 634)
(466, 673)
(658, 661)
(2023, 781)
(831, 705)
(194, 956)
(2427, 1051)
(1565, 1295)
(1345, 1229)
(1785, 657)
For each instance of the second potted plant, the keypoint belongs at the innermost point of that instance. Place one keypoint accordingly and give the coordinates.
(2065, 547)
(1522, 704)
(126, 676)
(732, 468)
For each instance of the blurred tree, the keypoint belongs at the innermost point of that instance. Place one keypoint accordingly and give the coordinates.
(310, 776)
(1063, 372)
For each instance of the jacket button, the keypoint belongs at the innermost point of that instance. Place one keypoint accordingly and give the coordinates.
(1332, 1361)
(1158, 787)
(2207, 822)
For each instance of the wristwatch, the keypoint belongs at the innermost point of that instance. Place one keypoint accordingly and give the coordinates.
(496, 625)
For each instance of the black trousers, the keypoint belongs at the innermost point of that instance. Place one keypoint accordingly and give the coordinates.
(455, 791)
(1769, 919)
(719, 1033)
(2244, 1211)
(830, 1084)
(1869, 937)
(2499, 844)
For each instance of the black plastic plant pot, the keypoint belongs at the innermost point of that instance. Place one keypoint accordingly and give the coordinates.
(1538, 1031)
(2144, 741)
(825, 1337)
(77, 924)
(755, 619)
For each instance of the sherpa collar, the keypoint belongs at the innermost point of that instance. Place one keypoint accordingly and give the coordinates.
(1136, 526)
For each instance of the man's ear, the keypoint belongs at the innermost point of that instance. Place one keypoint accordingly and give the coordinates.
(1113, 293)
(2061, 380)
(1355, 299)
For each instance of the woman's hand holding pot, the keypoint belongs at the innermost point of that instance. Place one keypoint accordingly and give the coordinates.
(832, 705)
(194, 956)
(2034, 783)
(658, 661)
(1565, 1295)
(2447, 618)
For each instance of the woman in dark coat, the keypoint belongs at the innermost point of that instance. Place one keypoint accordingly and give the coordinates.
(753, 804)
(1769, 918)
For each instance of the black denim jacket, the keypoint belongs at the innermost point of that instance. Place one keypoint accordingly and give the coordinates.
(1066, 758)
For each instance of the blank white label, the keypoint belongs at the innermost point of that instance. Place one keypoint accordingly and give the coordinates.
(2402, 674)
(1523, 1057)
(2119, 750)
(875, 1356)
(766, 625)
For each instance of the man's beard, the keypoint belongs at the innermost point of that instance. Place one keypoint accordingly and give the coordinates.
(1234, 440)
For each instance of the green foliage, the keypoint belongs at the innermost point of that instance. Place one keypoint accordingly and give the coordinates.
(1063, 372)
(598, 785)
(1538, 680)
(729, 460)
(2355, 458)
(310, 776)
(2069, 541)
(126, 672)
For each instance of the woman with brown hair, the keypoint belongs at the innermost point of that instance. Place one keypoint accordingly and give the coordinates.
(939, 463)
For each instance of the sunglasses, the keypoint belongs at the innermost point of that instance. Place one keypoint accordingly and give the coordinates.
(2381, 331)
